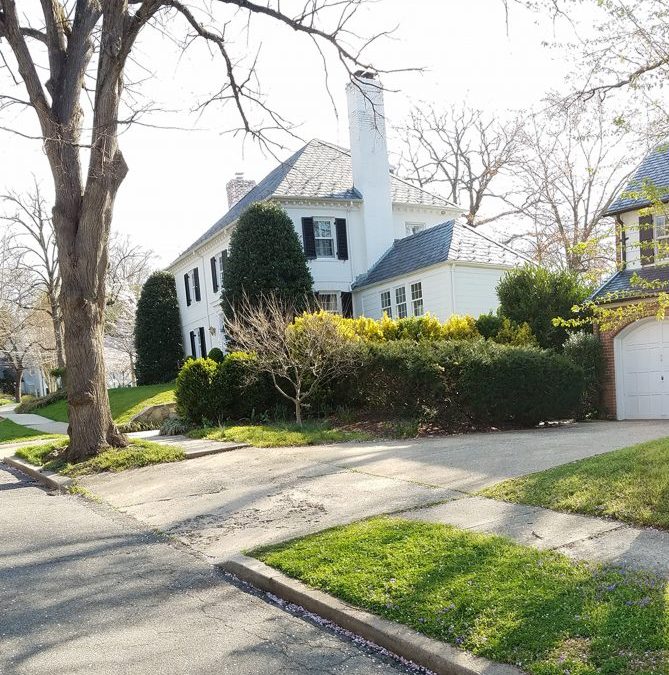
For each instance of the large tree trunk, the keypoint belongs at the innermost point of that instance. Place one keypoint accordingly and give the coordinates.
(91, 428)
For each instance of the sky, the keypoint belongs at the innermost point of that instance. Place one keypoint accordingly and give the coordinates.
(175, 189)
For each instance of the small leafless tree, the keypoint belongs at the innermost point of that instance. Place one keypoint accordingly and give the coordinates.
(130, 265)
(575, 162)
(77, 65)
(34, 245)
(300, 354)
(466, 154)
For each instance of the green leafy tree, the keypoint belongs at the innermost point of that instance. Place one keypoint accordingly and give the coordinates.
(266, 258)
(537, 295)
(158, 331)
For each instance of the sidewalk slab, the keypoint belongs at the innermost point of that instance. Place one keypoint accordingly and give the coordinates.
(192, 447)
(46, 426)
(581, 537)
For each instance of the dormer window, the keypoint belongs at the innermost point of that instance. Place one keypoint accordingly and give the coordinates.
(661, 227)
(324, 236)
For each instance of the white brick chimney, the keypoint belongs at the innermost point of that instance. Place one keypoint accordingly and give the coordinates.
(237, 188)
(369, 155)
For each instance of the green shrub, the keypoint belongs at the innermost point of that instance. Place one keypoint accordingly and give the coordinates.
(158, 337)
(512, 333)
(472, 383)
(504, 385)
(537, 296)
(266, 257)
(216, 354)
(195, 393)
(586, 351)
(488, 325)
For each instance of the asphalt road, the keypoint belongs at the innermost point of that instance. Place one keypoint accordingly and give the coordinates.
(84, 589)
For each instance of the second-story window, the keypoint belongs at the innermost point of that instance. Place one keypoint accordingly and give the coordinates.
(324, 236)
(661, 226)
(417, 298)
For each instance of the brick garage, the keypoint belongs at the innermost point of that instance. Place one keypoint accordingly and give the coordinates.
(607, 338)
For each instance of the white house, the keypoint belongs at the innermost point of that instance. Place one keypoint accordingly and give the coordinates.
(374, 243)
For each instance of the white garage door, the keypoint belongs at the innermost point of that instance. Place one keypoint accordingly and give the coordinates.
(642, 373)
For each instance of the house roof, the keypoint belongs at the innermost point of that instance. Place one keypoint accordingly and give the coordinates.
(319, 170)
(654, 170)
(450, 241)
(620, 285)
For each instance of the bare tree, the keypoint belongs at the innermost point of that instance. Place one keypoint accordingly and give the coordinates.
(70, 62)
(35, 248)
(467, 154)
(25, 337)
(130, 265)
(299, 354)
(575, 163)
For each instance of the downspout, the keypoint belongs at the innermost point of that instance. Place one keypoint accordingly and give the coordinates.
(453, 288)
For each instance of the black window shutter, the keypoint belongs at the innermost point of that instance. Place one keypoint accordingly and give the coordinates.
(187, 287)
(193, 351)
(342, 241)
(203, 342)
(214, 274)
(196, 284)
(347, 305)
(646, 240)
(224, 260)
(308, 238)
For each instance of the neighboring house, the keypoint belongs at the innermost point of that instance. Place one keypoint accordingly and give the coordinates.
(33, 381)
(375, 243)
(636, 383)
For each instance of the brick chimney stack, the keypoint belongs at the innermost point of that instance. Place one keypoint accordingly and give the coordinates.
(238, 187)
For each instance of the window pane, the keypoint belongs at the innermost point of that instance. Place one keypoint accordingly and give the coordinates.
(416, 291)
(418, 308)
(324, 248)
(401, 310)
(385, 303)
(400, 295)
(328, 301)
(322, 228)
(661, 229)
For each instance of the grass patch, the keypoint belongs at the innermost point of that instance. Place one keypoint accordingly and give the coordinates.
(280, 435)
(631, 485)
(5, 400)
(490, 596)
(125, 402)
(10, 431)
(139, 453)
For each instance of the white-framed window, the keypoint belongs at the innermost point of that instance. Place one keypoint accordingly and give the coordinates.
(414, 228)
(329, 301)
(401, 302)
(661, 231)
(386, 303)
(324, 236)
(417, 298)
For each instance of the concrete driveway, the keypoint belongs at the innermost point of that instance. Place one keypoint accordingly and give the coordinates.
(230, 502)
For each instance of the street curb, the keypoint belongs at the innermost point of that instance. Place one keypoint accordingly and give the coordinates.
(50, 479)
(434, 655)
(194, 454)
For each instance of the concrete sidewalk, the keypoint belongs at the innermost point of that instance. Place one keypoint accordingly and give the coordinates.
(580, 537)
(37, 422)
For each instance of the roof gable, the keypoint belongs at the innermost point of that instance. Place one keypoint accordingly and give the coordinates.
(620, 286)
(450, 241)
(318, 170)
(654, 169)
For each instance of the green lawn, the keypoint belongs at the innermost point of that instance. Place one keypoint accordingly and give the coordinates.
(4, 400)
(280, 435)
(509, 603)
(631, 485)
(10, 431)
(125, 402)
(139, 453)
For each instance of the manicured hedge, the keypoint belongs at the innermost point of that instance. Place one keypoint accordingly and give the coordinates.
(475, 383)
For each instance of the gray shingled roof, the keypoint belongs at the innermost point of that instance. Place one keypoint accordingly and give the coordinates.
(655, 170)
(319, 170)
(620, 286)
(450, 241)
